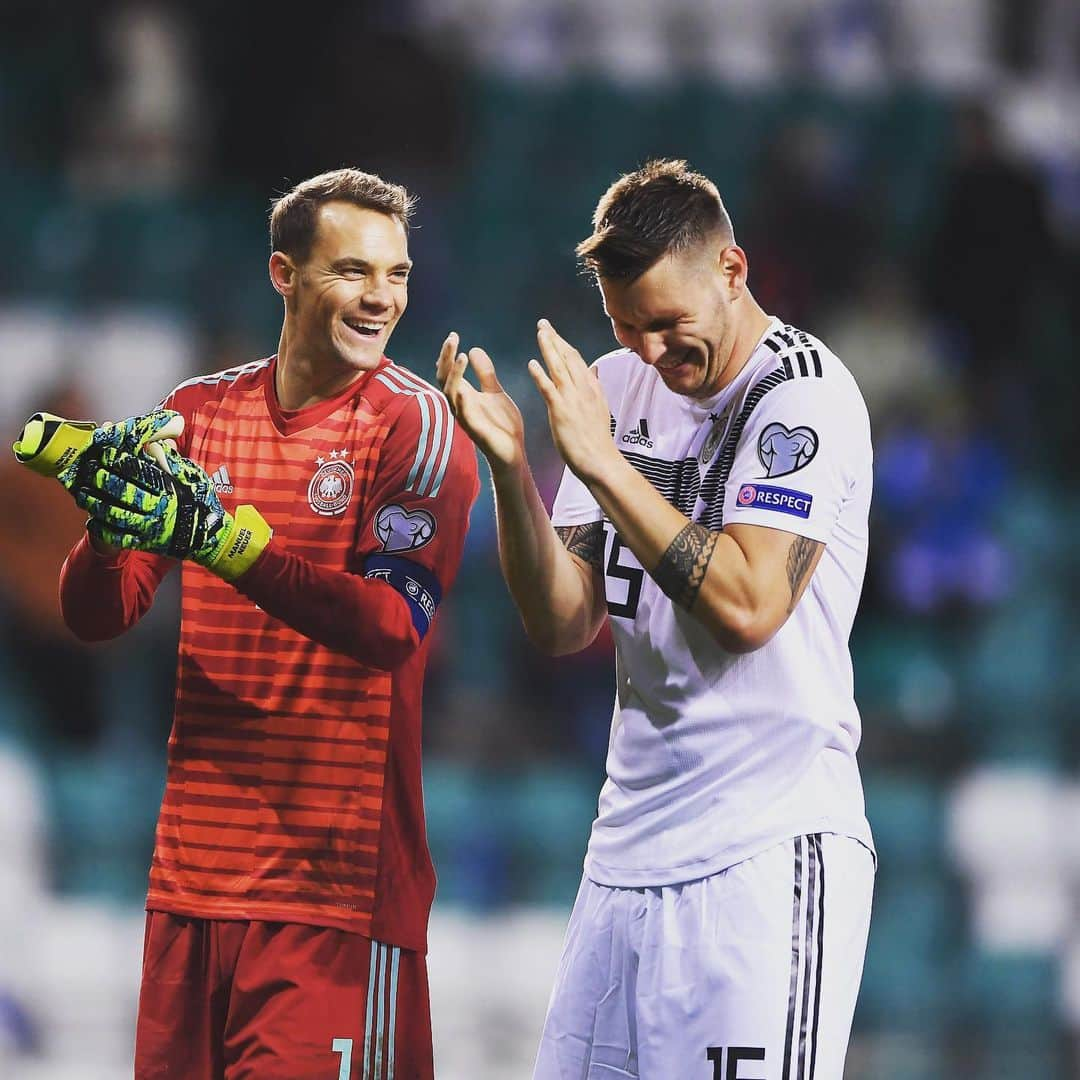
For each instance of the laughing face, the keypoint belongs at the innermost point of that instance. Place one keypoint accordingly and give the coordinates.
(678, 316)
(353, 287)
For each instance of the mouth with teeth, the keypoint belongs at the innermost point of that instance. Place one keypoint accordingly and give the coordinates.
(672, 367)
(367, 329)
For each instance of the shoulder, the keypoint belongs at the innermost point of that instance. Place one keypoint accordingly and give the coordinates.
(804, 368)
(422, 429)
(614, 368)
(190, 394)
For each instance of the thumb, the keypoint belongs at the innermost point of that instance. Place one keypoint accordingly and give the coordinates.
(157, 426)
(485, 371)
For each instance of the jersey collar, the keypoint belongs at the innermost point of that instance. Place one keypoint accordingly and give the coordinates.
(290, 421)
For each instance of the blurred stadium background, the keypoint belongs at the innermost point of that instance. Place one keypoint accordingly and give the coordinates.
(905, 175)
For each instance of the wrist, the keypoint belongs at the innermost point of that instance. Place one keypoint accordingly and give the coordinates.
(246, 538)
(101, 549)
(509, 473)
(602, 468)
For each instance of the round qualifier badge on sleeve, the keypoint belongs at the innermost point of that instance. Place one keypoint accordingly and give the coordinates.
(782, 451)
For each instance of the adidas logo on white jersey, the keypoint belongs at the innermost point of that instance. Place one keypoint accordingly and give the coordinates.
(222, 481)
(640, 435)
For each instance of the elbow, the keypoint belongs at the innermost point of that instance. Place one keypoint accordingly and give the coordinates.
(553, 640)
(744, 632)
(88, 633)
(390, 654)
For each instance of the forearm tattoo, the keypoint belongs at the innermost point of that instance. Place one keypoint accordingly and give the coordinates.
(800, 558)
(682, 568)
(584, 541)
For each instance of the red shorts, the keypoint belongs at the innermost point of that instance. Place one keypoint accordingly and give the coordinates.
(231, 1000)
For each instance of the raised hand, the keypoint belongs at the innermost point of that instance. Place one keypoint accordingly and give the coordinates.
(577, 408)
(488, 414)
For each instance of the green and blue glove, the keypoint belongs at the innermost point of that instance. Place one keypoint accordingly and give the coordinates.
(53, 446)
(174, 511)
(165, 504)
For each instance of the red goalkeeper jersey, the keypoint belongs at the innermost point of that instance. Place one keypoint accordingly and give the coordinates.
(294, 787)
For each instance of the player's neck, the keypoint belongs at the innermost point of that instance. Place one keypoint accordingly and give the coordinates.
(305, 377)
(751, 324)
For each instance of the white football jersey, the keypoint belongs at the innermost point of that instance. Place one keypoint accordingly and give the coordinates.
(714, 756)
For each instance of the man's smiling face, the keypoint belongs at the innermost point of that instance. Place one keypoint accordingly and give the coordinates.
(353, 287)
(677, 317)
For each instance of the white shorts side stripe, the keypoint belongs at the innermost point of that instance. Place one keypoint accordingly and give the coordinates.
(820, 953)
(796, 940)
(395, 956)
(370, 1005)
(381, 1014)
(807, 942)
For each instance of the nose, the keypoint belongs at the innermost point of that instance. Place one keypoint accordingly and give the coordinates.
(650, 348)
(377, 294)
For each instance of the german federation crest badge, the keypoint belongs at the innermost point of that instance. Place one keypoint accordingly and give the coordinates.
(716, 434)
(331, 488)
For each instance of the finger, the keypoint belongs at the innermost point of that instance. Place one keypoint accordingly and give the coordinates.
(156, 452)
(547, 388)
(155, 426)
(108, 535)
(446, 357)
(550, 350)
(104, 509)
(572, 360)
(485, 371)
(457, 386)
(136, 469)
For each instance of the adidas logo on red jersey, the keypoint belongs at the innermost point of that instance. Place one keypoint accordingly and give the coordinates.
(222, 481)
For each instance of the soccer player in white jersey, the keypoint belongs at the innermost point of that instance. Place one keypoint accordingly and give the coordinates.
(714, 509)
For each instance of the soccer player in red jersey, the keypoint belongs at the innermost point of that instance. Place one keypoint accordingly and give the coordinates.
(291, 880)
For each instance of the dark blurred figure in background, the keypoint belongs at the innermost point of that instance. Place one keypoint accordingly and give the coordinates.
(33, 546)
(991, 256)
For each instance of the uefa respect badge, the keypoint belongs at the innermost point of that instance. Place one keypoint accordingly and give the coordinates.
(781, 500)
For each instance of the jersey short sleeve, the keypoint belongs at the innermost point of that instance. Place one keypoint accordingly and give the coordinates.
(799, 455)
(574, 503)
(412, 532)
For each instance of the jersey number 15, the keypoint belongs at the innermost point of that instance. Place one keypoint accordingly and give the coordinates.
(632, 575)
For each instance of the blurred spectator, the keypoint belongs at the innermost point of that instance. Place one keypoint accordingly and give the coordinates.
(989, 259)
(142, 132)
(808, 235)
(60, 675)
(888, 343)
(940, 482)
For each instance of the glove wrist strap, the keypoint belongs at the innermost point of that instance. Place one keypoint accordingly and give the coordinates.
(247, 536)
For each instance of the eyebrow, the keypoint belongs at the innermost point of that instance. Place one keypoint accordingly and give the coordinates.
(352, 260)
(661, 322)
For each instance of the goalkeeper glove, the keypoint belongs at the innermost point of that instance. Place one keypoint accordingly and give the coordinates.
(174, 511)
(52, 446)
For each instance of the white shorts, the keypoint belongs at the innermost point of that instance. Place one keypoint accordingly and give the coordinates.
(749, 974)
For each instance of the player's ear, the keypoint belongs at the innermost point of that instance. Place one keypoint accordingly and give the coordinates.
(733, 269)
(282, 273)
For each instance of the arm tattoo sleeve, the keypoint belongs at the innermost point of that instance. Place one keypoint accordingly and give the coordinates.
(584, 541)
(682, 567)
(800, 557)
